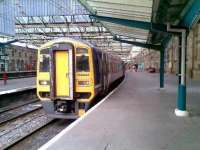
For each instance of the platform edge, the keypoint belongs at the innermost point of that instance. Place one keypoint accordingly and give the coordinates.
(72, 125)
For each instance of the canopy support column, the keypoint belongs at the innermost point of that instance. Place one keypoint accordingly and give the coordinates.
(181, 98)
(162, 69)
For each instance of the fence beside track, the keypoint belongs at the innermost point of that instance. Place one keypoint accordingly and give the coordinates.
(19, 74)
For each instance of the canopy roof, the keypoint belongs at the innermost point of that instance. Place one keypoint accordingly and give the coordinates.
(144, 20)
(103, 22)
(140, 10)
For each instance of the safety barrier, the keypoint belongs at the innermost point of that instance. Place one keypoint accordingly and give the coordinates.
(19, 74)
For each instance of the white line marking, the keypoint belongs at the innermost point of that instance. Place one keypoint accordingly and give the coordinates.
(37, 105)
(72, 125)
(17, 90)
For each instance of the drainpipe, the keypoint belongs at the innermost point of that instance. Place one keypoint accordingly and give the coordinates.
(181, 99)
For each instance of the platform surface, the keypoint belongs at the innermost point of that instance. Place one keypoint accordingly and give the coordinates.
(16, 85)
(138, 116)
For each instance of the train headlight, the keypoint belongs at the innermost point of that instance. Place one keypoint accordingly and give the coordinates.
(83, 83)
(44, 82)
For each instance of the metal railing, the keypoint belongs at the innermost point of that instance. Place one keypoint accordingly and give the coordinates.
(19, 74)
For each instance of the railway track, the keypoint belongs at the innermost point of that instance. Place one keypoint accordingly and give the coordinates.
(19, 121)
(42, 135)
(14, 106)
(15, 130)
(31, 129)
(13, 112)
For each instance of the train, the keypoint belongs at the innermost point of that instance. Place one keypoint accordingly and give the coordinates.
(71, 73)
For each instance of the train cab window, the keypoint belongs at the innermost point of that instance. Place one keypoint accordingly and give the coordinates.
(44, 60)
(81, 51)
(82, 63)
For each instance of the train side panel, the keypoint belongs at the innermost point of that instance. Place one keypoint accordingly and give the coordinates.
(85, 86)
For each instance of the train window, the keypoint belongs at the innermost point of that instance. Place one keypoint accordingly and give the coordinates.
(44, 60)
(81, 51)
(82, 63)
(44, 51)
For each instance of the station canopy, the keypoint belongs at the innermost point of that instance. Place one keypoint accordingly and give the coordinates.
(144, 21)
(38, 21)
(108, 24)
(124, 9)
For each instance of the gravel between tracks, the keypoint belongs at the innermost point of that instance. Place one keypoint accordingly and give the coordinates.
(17, 129)
(37, 139)
(19, 111)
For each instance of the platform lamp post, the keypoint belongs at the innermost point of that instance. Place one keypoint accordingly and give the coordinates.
(181, 98)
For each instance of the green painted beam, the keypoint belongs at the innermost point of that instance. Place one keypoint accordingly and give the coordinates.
(184, 11)
(133, 23)
(191, 14)
(143, 45)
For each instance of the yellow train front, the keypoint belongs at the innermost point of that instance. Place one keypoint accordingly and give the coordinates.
(71, 73)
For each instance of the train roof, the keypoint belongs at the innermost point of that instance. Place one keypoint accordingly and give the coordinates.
(59, 40)
(76, 41)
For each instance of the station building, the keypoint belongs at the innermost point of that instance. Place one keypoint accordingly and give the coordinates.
(17, 58)
(150, 58)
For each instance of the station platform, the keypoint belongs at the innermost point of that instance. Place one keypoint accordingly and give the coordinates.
(137, 116)
(17, 85)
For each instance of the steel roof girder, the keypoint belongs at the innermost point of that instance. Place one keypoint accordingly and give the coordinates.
(138, 24)
(192, 13)
(85, 4)
(133, 23)
(144, 45)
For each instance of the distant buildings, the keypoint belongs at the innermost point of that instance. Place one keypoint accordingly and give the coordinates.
(151, 58)
(16, 58)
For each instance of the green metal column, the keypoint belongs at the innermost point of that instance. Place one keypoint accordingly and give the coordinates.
(181, 98)
(162, 69)
(181, 102)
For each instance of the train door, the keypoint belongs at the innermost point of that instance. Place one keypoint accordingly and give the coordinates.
(62, 73)
(63, 79)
